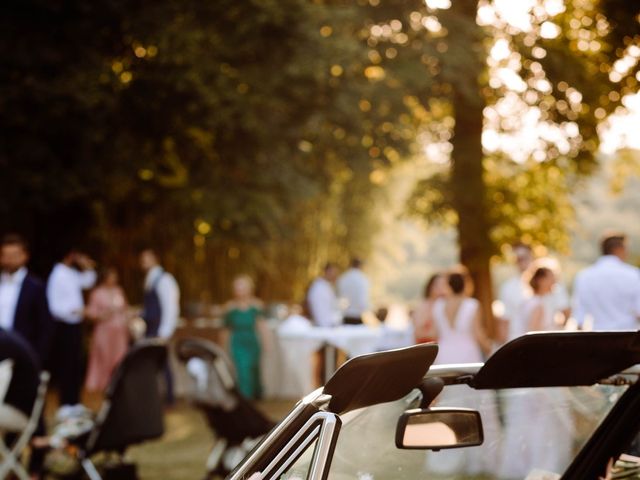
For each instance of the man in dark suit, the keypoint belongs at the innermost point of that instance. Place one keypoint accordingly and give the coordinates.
(23, 299)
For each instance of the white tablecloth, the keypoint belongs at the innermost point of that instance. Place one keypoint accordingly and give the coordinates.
(287, 366)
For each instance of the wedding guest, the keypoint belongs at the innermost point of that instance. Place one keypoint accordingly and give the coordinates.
(514, 291)
(608, 292)
(73, 274)
(437, 287)
(244, 320)
(322, 300)
(23, 298)
(353, 287)
(107, 307)
(161, 305)
(558, 301)
(527, 414)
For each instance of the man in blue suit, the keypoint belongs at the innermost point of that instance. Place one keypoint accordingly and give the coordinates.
(23, 299)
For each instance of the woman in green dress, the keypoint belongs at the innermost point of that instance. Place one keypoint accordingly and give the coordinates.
(244, 322)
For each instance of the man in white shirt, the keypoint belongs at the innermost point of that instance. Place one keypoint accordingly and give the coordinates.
(322, 301)
(608, 292)
(68, 279)
(161, 305)
(353, 287)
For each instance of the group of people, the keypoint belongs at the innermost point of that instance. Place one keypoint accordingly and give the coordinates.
(606, 296)
(333, 298)
(48, 318)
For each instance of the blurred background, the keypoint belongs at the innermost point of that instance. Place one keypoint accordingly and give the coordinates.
(268, 137)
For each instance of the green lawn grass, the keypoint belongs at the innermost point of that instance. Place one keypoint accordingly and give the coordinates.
(183, 450)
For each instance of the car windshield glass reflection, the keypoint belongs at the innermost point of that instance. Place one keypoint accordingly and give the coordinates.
(525, 430)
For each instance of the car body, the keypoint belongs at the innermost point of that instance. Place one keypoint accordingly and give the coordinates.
(575, 394)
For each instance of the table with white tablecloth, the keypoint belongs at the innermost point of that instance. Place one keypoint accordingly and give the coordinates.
(287, 366)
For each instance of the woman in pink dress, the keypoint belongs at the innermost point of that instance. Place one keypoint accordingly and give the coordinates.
(107, 307)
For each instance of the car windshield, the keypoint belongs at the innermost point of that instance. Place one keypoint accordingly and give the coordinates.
(527, 432)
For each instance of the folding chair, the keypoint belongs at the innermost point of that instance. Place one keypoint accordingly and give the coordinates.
(14, 421)
(132, 411)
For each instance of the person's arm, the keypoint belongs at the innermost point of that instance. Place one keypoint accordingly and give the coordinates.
(422, 320)
(262, 327)
(637, 296)
(225, 334)
(87, 279)
(95, 310)
(169, 296)
(561, 301)
(578, 307)
(364, 294)
(44, 325)
(481, 336)
(536, 321)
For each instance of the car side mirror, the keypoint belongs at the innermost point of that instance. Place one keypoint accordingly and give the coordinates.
(439, 428)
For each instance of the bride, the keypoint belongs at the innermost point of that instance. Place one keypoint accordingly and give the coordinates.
(462, 339)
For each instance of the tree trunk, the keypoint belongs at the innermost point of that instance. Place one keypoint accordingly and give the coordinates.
(467, 183)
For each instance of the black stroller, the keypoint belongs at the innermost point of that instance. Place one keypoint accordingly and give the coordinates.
(238, 425)
(131, 413)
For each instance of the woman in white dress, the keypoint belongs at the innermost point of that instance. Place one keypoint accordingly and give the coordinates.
(462, 339)
(538, 428)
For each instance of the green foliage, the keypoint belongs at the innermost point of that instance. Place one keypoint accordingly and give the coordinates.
(568, 79)
(231, 135)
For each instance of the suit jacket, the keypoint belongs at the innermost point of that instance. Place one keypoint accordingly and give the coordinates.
(32, 318)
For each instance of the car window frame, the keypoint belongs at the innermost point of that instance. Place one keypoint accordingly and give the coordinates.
(323, 427)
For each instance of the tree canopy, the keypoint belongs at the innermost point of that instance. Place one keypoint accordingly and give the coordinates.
(257, 136)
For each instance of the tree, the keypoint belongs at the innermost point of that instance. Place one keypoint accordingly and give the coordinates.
(544, 67)
(228, 135)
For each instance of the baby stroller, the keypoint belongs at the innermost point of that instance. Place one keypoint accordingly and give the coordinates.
(238, 425)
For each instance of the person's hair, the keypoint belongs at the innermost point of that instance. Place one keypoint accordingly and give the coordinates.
(104, 273)
(428, 288)
(538, 274)
(521, 246)
(456, 282)
(328, 266)
(611, 242)
(14, 239)
(356, 262)
(245, 278)
(150, 250)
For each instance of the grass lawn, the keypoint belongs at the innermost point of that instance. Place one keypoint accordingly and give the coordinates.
(182, 452)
